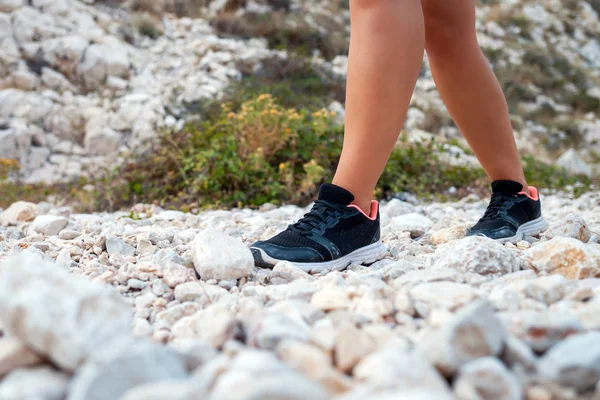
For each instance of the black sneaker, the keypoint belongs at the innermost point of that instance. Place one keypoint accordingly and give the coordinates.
(511, 214)
(334, 234)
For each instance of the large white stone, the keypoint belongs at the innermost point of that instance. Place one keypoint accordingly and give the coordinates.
(219, 256)
(62, 316)
(102, 60)
(34, 383)
(14, 354)
(566, 256)
(476, 254)
(486, 379)
(115, 370)
(21, 211)
(571, 161)
(49, 225)
(574, 362)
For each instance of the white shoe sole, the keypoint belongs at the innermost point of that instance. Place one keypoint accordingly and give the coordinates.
(530, 228)
(365, 255)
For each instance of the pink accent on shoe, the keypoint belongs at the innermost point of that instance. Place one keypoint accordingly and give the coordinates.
(533, 193)
(373, 211)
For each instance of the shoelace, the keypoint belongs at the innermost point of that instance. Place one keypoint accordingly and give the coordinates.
(497, 204)
(318, 214)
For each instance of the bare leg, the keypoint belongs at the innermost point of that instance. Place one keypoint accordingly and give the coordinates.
(386, 51)
(469, 87)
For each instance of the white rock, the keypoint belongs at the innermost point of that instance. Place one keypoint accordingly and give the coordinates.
(115, 245)
(441, 295)
(571, 161)
(259, 375)
(351, 346)
(114, 371)
(49, 225)
(331, 297)
(446, 235)
(566, 256)
(474, 332)
(396, 367)
(65, 317)
(416, 224)
(574, 362)
(395, 208)
(486, 379)
(540, 330)
(34, 383)
(215, 325)
(573, 226)
(7, 6)
(102, 60)
(476, 254)
(221, 257)
(199, 291)
(14, 354)
(168, 389)
(21, 211)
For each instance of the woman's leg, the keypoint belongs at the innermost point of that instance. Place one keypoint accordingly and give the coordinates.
(469, 88)
(386, 51)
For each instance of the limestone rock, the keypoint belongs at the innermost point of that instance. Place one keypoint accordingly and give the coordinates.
(441, 295)
(64, 317)
(115, 245)
(476, 254)
(49, 225)
(14, 354)
(391, 367)
(259, 375)
(486, 379)
(446, 235)
(166, 389)
(574, 362)
(415, 223)
(351, 346)
(34, 383)
(566, 256)
(115, 370)
(474, 332)
(572, 162)
(573, 226)
(21, 211)
(540, 330)
(221, 257)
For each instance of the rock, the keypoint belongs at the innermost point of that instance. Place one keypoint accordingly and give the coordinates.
(199, 292)
(165, 389)
(351, 346)
(566, 256)
(215, 325)
(14, 355)
(474, 332)
(115, 245)
(62, 316)
(486, 379)
(478, 255)
(221, 257)
(331, 297)
(571, 161)
(416, 224)
(446, 235)
(574, 362)
(115, 370)
(21, 211)
(517, 353)
(195, 353)
(540, 330)
(101, 61)
(441, 295)
(101, 140)
(7, 6)
(315, 363)
(34, 383)
(288, 272)
(573, 226)
(268, 331)
(49, 225)
(395, 208)
(392, 367)
(259, 375)
(66, 234)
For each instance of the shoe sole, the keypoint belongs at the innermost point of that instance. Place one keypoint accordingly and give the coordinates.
(530, 228)
(365, 255)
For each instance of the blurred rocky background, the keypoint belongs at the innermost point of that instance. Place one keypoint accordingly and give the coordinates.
(88, 86)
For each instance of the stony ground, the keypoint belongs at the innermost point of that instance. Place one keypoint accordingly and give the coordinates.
(155, 304)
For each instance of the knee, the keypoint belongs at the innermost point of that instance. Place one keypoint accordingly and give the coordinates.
(445, 32)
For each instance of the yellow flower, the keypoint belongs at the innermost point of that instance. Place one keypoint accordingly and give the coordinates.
(287, 130)
(282, 166)
(230, 115)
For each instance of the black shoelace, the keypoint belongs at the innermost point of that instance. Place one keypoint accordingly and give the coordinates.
(499, 202)
(317, 215)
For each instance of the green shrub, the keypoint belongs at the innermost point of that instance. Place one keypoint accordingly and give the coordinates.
(260, 152)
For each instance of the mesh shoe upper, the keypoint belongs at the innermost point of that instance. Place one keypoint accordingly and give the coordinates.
(509, 208)
(330, 230)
